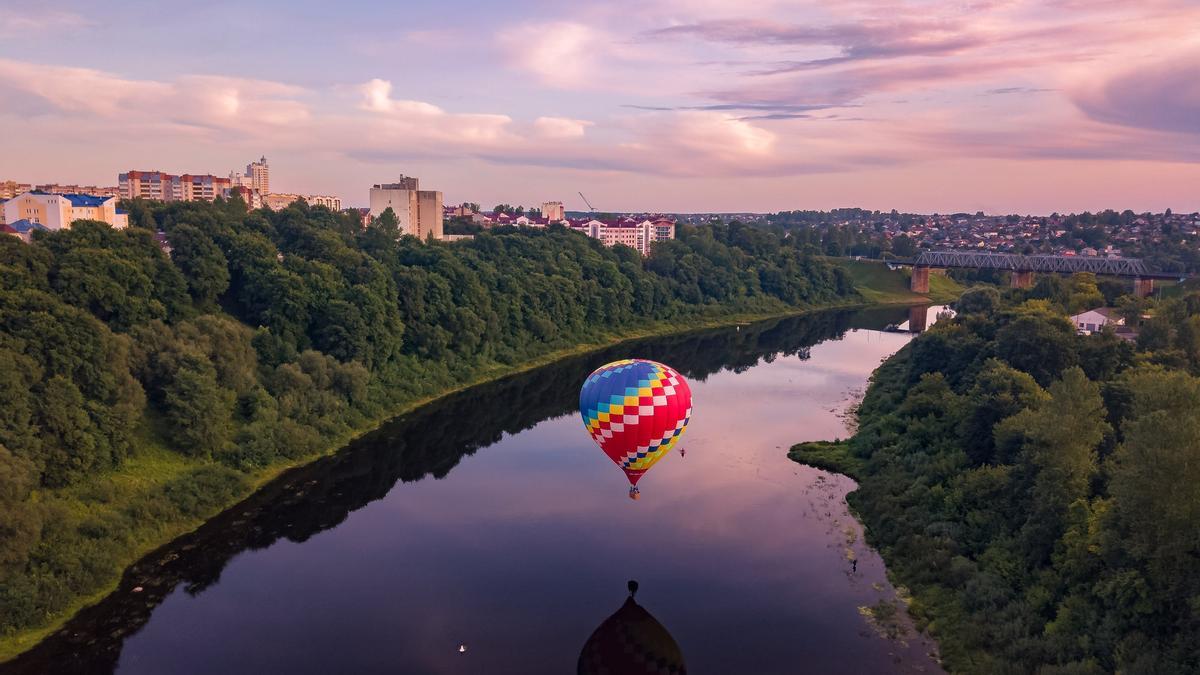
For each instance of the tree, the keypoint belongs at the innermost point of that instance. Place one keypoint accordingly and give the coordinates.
(999, 392)
(21, 525)
(111, 287)
(197, 407)
(1039, 345)
(1084, 293)
(202, 262)
(387, 223)
(1155, 489)
(1057, 440)
(981, 300)
(904, 246)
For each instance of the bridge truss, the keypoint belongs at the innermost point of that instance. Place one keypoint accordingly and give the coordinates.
(1117, 267)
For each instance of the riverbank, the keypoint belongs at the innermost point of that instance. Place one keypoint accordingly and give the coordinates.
(833, 456)
(450, 516)
(155, 466)
(1017, 478)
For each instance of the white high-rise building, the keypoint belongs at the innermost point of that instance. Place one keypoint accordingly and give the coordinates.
(257, 177)
(260, 176)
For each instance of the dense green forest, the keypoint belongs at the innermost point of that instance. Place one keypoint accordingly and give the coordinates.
(1038, 490)
(146, 390)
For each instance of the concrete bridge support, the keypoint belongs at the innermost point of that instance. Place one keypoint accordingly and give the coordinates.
(917, 317)
(920, 279)
(1143, 288)
(1021, 279)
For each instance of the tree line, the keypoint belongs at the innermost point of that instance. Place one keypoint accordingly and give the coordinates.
(1039, 490)
(263, 337)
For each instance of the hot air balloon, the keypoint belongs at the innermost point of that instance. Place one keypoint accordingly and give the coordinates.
(631, 642)
(636, 411)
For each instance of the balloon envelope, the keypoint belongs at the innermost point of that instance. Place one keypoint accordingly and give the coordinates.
(635, 410)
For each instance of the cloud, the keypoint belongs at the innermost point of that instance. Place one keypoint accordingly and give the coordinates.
(368, 122)
(31, 22)
(781, 107)
(562, 54)
(1000, 91)
(695, 134)
(777, 116)
(212, 102)
(854, 41)
(417, 122)
(685, 88)
(377, 97)
(1163, 95)
(850, 86)
(561, 127)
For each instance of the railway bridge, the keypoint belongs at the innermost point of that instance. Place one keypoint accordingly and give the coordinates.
(1023, 267)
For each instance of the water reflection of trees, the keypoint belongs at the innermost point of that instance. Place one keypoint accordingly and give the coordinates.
(428, 442)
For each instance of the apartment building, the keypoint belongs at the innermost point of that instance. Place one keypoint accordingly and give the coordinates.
(281, 200)
(58, 211)
(419, 212)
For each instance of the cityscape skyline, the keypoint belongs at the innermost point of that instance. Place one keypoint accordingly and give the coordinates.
(682, 106)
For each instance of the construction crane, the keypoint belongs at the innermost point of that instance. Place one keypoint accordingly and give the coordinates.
(589, 204)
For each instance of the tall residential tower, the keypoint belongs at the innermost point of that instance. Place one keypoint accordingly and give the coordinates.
(419, 212)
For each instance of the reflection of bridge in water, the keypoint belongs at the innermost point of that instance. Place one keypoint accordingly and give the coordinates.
(1023, 267)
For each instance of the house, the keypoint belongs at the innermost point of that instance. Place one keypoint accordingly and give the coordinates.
(24, 229)
(1095, 319)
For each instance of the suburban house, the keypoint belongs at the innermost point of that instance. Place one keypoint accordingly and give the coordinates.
(1094, 319)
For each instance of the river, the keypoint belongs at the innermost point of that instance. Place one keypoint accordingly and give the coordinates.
(485, 533)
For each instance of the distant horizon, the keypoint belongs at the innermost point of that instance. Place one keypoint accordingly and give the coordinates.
(487, 207)
(1001, 106)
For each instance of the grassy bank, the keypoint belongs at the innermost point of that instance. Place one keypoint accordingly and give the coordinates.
(832, 456)
(880, 285)
(154, 467)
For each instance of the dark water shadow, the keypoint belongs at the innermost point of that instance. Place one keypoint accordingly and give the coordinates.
(631, 642)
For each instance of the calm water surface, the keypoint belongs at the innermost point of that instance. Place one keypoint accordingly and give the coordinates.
(490, 520)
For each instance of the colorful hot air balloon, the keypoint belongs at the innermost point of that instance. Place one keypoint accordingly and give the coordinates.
(635, 410)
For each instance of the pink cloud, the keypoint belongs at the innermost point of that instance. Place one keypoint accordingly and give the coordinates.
(200, 101)
(32, 20)
(691, 96)
(1162, 95)
(561, 127)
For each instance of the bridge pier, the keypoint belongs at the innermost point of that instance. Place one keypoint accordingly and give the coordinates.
(1021, 279)
(920, 279)
(1143, 288)
(917, 317)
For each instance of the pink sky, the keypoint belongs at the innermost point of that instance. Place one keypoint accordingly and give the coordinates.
(678, 105)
